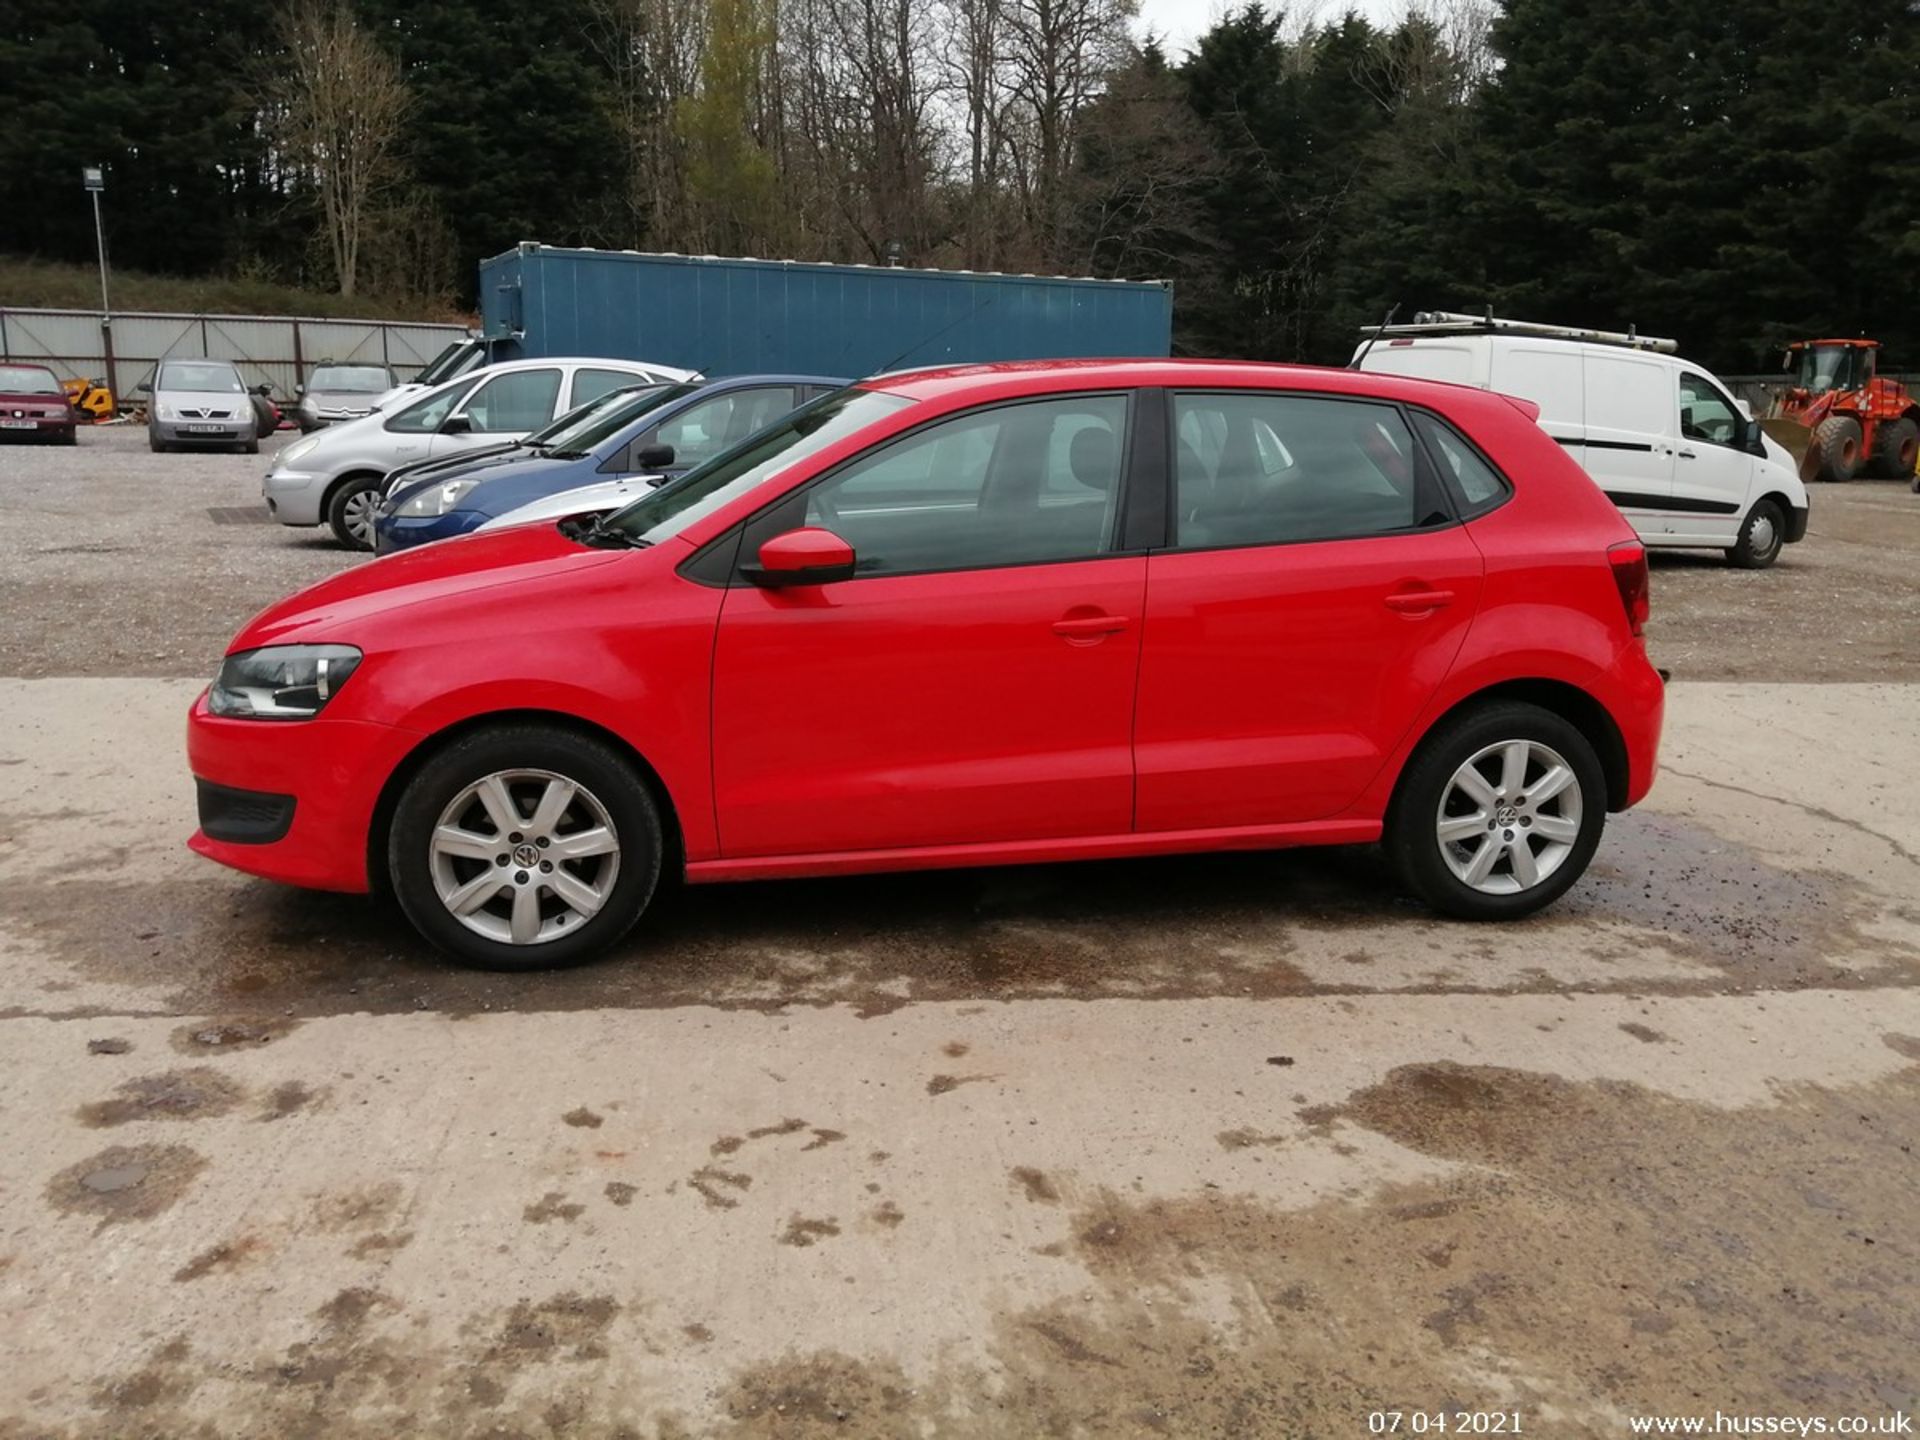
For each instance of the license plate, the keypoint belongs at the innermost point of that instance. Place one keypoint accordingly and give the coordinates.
(205, 429)
(19, 424)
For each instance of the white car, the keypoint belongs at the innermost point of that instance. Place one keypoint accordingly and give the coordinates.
(607, 495)
(1687, 464)
(334, 476)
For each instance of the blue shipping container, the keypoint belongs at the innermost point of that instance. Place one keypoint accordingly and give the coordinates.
(730, 317)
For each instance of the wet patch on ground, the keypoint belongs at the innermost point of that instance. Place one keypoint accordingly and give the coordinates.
(216, 1037)
(126, 1183)
(228, 1255)
(197, 1094)
(1179, 927)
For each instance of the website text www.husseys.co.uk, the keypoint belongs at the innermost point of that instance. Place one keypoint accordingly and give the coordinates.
(1721, 1423)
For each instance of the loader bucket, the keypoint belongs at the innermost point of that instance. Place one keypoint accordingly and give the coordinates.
(1797, 438)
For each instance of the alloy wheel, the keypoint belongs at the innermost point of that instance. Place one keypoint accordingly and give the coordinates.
(523, 857)
(1509, 817)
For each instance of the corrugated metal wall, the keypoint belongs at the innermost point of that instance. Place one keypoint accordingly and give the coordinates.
(272, 350)
(727, 317)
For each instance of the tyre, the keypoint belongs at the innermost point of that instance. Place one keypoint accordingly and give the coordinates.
(1498, 813)
(525, 847)
(1761, 537)
(252, 447)
(350, 511)
(1836, 444)
(156, 445)
(1896, 448)
(70, 437)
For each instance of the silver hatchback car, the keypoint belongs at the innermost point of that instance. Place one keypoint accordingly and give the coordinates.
(199, 402)
(337, 391)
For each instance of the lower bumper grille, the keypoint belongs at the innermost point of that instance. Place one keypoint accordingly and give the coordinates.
(242, 817)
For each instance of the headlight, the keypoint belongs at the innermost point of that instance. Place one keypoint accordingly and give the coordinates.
(281, 682)
(298, 449)
(165, 411)
(437, 499)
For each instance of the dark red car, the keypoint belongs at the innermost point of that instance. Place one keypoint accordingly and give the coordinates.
(33, 403)
(979, 616)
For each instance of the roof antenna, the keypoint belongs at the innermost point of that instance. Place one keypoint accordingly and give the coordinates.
(1354, 364)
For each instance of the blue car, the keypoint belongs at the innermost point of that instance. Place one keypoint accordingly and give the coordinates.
(664, 432)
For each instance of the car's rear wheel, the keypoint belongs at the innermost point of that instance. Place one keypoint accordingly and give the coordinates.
(525, 847)
(1499, 812)
(350, 511)
(1761, 537)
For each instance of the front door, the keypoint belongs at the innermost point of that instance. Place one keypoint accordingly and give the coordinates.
(1712, 471)
(1315, 596)
(973, 682)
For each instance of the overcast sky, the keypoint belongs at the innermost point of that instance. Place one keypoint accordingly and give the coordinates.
(1180, 22)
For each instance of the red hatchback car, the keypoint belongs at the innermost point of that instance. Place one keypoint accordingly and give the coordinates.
(34, 403)
(974, 616)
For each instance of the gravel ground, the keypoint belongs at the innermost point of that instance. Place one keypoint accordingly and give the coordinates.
(108, 532)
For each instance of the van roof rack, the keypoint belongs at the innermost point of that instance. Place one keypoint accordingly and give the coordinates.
(1449, 322)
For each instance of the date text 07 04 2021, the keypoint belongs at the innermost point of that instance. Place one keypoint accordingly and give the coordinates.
(1443, 1422)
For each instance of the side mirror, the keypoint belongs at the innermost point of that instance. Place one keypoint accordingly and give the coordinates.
(263, 390)
(653, 457)
(300, 389)
(457, 425)
(145, 387)
(808, 556)
(1755, 438)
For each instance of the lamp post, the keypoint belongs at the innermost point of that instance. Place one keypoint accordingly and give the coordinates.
(95, 180)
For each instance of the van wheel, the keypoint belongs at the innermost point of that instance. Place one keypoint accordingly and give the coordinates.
(1836, 443)
(1498, 813)
(350, 511)
(1760, 538)
(525, 847)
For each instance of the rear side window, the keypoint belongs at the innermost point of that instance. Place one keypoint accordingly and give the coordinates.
(1262, 469)
(514, 404)
(591, 382)
(702, 431)
(1477, 487)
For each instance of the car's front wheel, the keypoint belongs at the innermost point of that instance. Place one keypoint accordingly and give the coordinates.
(350, 511)
(1499, 812)
(525, 847)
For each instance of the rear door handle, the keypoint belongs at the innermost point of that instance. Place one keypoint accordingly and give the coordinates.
(1419, 602)
(1089, 627)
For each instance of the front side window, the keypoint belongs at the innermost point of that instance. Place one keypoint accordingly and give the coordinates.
(1706, 414)
(206, 378)
(703, 430)
(1018, 484)
(513, 404)
(808, 431)
(429, 412)
(1265, 469)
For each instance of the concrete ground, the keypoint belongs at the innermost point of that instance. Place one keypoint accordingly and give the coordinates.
(1216, 1146)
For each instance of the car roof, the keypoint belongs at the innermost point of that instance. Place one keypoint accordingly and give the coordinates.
(1041, 377)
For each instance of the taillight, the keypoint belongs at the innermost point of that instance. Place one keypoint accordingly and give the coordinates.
(1629, 561)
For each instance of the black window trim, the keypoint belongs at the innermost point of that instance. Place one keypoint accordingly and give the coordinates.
(739, 541)
(1464, 510)
(1429, 481)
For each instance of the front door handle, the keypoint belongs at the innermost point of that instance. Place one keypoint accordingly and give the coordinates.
(1089, 627)
(1685, 454)
(1419, 602)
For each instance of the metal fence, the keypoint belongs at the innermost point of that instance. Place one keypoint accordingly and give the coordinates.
(267, 349)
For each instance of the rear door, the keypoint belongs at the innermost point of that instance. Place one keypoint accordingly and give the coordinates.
(1631, 430)
(1315, 595)
(974, 681)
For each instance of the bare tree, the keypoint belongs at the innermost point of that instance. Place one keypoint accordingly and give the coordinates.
(337, 108)
(652, 52)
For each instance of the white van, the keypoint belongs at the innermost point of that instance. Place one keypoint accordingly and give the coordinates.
(1688, 465)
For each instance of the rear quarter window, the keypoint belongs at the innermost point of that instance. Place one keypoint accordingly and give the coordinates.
(1477, 487)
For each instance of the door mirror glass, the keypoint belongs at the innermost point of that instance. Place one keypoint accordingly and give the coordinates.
(807, 556)
(1755, 439)
(457, 425)
(145, 387)
(653, 457)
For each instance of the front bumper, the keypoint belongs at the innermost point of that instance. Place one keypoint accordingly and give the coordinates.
(236, 431)
(1797, 518)
(293, 496)
(15, 424)
(324, 776)
(403, 532)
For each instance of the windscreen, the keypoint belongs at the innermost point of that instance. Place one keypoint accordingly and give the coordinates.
(28, 380)
(352, 379)
(701, 491)
(189, 375)
(580, 431)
